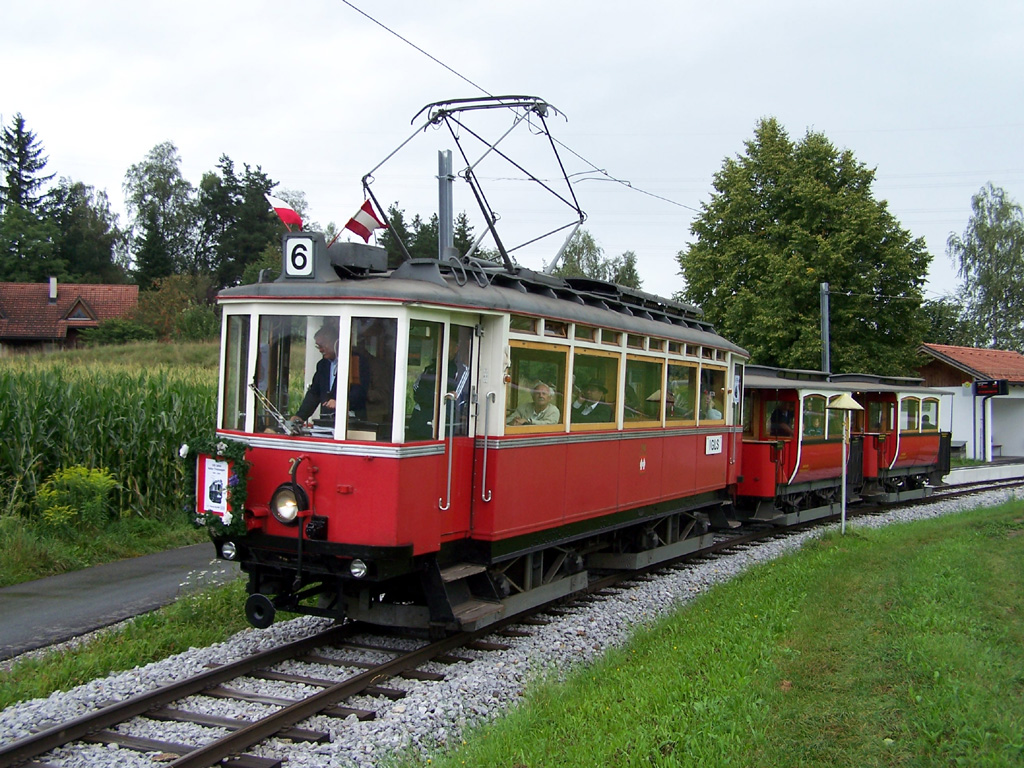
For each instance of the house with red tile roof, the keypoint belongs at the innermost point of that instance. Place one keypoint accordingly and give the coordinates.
(45, 316)
(985, 425)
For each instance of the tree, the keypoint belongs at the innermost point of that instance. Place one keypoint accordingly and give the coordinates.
(583, 257)
(21, 160)
(948, 323)
(990, 257)
(161, 212)
(420, 237)
(236, 224)
(786, 217)
(88, 239)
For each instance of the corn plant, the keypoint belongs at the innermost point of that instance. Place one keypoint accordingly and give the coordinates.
(123, 419)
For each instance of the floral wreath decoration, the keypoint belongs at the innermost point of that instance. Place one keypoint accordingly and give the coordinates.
(232, 522)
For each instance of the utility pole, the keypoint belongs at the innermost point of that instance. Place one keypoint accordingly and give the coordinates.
(826, 363)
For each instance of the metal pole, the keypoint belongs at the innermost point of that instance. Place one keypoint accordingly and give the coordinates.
(445, 214)
(826, 363)
(846, 440)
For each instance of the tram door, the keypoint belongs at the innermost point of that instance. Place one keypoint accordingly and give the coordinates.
(458, 421)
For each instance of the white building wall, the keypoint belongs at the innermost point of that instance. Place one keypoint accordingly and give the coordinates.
(981, 423)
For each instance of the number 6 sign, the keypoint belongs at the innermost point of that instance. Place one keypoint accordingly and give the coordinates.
(298, 257)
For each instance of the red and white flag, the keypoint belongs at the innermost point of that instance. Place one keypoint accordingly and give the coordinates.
(365, 221)
(285, 212)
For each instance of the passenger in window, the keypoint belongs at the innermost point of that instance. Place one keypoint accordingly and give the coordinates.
(324, 386)
(590, 407)
(540, 410)
(781, 421)
(708, 409)
(814, 426)
(926, 422)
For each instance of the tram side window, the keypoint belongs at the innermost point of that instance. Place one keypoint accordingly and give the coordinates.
(813, 424)
(422, 397)
(712, 394)
(778, 418)
(737, 389)
(909, 414)
(643, 390)
(236, 364)
(929, 415)
(748, 413)
(681, 403)
(371, 378)
(534, 395)
(595, 379)
(879, 416)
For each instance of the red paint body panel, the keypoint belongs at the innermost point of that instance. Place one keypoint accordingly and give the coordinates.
(917, 450)
(819, 461)
(759, 469)
(874, 455)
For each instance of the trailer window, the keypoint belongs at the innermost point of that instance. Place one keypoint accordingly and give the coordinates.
(929, 415)
(909, 414)
(778, 418)
(813, 425)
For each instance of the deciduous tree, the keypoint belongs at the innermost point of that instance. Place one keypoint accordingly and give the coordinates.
(161, 216)
(583, 257)
(88, 240)
(784, 217)
(990, 257)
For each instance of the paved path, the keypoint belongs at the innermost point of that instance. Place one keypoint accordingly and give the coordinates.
(58, 608)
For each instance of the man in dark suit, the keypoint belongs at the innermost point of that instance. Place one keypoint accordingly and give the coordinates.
(324, 387)
(590, 407)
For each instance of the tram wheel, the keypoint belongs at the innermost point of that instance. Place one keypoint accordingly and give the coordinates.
(259, 610)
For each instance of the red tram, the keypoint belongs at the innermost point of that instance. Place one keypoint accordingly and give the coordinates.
(793, 442)
(426, 499)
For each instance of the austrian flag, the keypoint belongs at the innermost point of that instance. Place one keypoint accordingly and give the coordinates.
(365, 221)
(285, 212)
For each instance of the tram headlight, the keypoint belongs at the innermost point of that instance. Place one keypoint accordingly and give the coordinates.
(287, 502)
(358, 568)
(228, 550)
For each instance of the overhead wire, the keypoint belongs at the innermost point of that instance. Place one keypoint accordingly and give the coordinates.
(608, 177)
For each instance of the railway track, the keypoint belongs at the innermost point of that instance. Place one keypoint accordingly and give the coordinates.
(346, 671)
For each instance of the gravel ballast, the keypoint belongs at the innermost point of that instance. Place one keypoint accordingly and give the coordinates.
(433, 714)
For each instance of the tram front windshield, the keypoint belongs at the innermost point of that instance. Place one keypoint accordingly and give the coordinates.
(294, 378)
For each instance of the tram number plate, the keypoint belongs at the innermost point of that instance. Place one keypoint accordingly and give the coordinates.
(298, 257)
(712, 444)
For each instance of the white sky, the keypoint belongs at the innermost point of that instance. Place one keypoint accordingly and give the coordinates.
(657, 93)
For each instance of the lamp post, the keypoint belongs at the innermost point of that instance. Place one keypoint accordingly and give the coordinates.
(846, 404)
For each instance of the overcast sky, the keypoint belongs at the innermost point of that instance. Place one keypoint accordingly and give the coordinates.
(656, 93)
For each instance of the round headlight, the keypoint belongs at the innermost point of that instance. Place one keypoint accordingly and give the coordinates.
(286, 503)
(358, 568)
(228, 550)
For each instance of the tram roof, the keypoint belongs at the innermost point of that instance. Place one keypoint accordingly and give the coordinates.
(478, 286)
(767, 377)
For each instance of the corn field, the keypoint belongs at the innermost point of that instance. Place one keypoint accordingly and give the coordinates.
(128, 421)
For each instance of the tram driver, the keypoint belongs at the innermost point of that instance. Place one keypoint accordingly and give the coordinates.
(322, 389)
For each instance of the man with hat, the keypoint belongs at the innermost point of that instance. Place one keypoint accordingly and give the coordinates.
(589, 407)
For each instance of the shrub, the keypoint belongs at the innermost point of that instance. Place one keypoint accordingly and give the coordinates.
(76, 497)
(197, 323)
(117, 331)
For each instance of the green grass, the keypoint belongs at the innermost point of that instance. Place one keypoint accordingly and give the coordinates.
(198, 619)
(31, 552)
(897, 647)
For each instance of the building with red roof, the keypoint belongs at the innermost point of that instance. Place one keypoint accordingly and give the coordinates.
(985, 425)
(41, 316)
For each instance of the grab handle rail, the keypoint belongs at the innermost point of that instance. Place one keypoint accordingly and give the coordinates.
(444, 504)
(491, 397)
